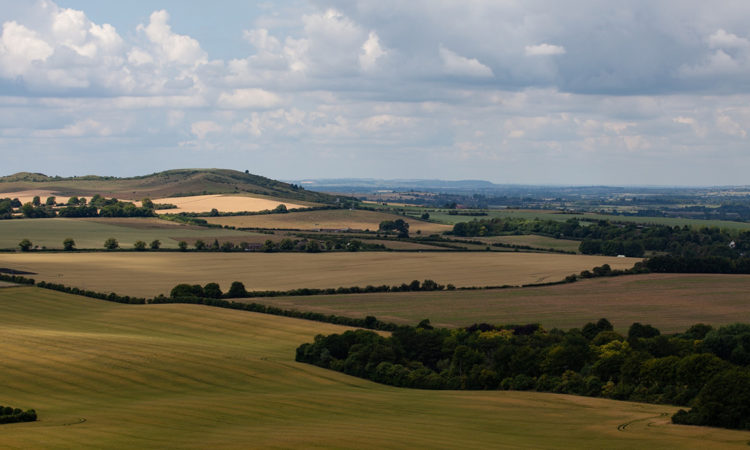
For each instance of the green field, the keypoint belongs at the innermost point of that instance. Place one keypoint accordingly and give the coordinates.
(91, 233)
(670, 302)
(104, 375)
(444, 217)
(153, 273)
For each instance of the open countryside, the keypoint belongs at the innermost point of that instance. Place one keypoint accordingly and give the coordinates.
(222, 203)
(150, 274)
(120, 375)
(670, 302)
(337, 219)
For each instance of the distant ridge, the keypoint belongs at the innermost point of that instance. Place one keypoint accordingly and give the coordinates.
(170, 183)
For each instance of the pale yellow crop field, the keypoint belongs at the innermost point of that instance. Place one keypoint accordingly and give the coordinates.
(333, 219)
(28, 195)
(223, 203)
(149, 274)
(104, 375)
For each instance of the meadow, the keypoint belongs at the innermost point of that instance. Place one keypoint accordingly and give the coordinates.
(532, 240)
(153, 273)
(327, 219)
(91, 233)
(105, 375)
(445, 217)
(670, 302)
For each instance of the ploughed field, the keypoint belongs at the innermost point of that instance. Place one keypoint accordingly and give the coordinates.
(91, 233)
(670, 302)
(333, 219)
(151, 273)
(105, 375)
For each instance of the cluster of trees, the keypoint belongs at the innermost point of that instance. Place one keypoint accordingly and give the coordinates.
(238, 290)
(77, 207)
(630, 239)
(399, 226)
(705, 368)
(14, 415)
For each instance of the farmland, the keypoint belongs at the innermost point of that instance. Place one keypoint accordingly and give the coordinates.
(671, 303)
(535, 241)
(445, 217)
(91, 233)
(223, 203)
(149, 274)
(326, 219)
(124, 376)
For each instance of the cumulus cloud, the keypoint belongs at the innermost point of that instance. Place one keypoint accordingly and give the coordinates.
(455, 64)
(248, 99)
(544, 50)
(19, 48)
(371, 52)
(170, 46)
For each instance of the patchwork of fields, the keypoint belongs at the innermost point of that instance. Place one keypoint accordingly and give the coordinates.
(91, 233)
(104, 375)
(150, 274)
(670, 302)
(334, 219)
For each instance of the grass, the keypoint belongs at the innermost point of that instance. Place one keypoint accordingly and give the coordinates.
(104, 375)
(91, 233)
(444, 217)
(327, 219)
(670, 302)
(149, 274)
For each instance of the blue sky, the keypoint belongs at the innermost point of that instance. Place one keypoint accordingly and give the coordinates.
(536, 91)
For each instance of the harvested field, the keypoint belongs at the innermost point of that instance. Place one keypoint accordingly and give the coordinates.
(91, 233)
(533, 240)
(105, 375)
(149, 274)
(335, 219)
(28, 195)
(223, 203)
(670, 302)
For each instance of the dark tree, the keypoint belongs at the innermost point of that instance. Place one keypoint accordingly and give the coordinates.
(111, 244)
(69, 244)
(25, 245)
(139, 246)
(155, 244)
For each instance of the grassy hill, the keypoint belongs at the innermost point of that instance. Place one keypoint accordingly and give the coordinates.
(104, 375)
(176, 182)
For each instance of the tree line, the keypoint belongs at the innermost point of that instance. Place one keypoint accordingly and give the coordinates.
(14, 415)
(703, 368)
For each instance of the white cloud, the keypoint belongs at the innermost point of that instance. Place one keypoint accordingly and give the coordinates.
(248, 99)
(455, 64)
(544, 50)
(371, 52)
(722, 39)
(19, 48)
(203, 128)
(172, 47)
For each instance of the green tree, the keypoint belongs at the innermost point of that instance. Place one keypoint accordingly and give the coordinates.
(236, 290)
(25, 245)
(36, 201)
(212, 290)
(155, 244)
(281, 209)
(182, 245)
(139, 246)
(111, 244)
(147, 203)
(69, 244)
(51, 201)
(200, 245)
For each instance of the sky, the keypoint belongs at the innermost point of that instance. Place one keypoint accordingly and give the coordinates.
(581, 92)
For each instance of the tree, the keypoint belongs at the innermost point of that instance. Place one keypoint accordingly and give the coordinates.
(200, 245)
(25, 245)
(280, 209)
(312, 247)
(36, 201)
(139, 246)
(214, 212)
(147, 203)
(237, 289)
(426, 216)
(155, 244)
(111, 244)
(212, 290)
(227, 246)
(182, 245)
(69, 244)
(51, 201)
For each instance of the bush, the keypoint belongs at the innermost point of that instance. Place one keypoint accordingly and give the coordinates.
(111, 244)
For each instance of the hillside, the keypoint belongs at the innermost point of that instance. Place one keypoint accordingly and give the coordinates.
(170, 183)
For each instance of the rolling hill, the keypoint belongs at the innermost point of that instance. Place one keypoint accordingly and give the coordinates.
(170, 183)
